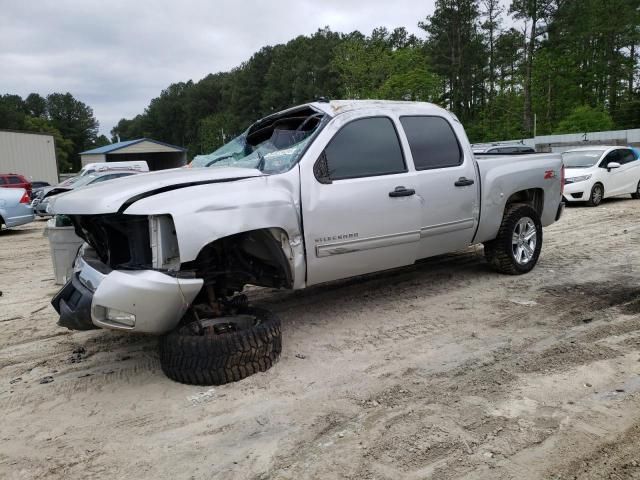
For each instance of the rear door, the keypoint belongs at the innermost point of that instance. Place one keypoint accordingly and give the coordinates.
(629, 171)
(360, 210)
(445, 182)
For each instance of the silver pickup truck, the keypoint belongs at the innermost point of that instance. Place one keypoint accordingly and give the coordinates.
(319, 192)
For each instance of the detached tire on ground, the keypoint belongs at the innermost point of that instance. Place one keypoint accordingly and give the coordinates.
(516, 249)
(228, 349)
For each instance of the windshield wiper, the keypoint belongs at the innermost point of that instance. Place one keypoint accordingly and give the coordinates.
(216, 160)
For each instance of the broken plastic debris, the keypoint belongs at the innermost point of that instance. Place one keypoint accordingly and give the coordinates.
(202, 397)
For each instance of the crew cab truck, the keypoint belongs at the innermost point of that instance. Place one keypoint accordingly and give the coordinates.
(316, 193)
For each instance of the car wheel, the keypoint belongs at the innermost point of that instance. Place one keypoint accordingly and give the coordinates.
(517, 247)
(219, 350)
(596, 196)
(636, 194)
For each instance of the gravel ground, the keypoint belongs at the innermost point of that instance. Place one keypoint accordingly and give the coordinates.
(442, 370)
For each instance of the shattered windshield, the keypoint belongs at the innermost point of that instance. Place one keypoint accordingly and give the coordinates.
(581, 158)
(271, 145)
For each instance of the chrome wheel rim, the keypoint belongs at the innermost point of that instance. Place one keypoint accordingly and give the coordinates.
(596, 195)
(524, 241)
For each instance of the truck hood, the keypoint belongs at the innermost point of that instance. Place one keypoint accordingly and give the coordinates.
(117, 195)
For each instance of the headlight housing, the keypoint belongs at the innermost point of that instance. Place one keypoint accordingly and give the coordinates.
(165, 254)
(581, 178)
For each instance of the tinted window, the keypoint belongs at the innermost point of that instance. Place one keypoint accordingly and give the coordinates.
(432, 141)
(626, 156)
(14, 180)
(364, 148)
(611, 157)
(2, 181)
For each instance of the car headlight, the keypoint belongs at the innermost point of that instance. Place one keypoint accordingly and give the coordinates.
(118, 316)
(581, 178)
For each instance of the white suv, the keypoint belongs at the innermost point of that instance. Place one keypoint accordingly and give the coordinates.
(595, 173)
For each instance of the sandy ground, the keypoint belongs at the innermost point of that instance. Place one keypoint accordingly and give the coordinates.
(441, 370)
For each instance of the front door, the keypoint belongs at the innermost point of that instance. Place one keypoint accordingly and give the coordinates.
(614, 178)
(360, 210)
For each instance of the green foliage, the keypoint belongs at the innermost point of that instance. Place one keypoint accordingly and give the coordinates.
(585, 119)
(386, 65)
(64, 146)
(75, 121)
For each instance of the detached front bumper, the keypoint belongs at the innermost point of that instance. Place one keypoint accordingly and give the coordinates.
(134, 300)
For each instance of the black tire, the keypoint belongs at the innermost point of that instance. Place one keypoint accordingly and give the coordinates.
(636, 194)
(219, 358)
(500, 252)
(596, 195)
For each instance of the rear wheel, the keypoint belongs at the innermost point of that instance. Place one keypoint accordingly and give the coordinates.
(596, 196)
(517, 247)
(636, 194)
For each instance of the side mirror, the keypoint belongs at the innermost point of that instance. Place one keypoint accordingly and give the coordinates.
(613, 165)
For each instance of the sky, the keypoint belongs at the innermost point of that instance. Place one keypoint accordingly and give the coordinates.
(116, 56)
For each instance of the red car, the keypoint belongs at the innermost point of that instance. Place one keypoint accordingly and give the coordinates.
(13, 180)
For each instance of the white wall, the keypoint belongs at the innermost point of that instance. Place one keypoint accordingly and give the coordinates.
(30, 154)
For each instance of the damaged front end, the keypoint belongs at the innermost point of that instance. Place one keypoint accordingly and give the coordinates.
(127, 276)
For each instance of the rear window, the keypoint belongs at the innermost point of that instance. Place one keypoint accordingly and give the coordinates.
(13, 180)
(627, 156)
(432, 141)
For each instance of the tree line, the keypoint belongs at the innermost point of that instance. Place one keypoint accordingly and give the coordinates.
(539, 66)
(553, 66)
(70, 121)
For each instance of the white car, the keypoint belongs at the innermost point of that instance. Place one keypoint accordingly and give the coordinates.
(594, 173)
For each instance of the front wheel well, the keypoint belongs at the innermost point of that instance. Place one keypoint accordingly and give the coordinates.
(534, 197)
(255, 257)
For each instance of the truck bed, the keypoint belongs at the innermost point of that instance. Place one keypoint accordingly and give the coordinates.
(501, 175)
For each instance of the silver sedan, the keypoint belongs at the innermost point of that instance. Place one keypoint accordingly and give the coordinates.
(14, 207)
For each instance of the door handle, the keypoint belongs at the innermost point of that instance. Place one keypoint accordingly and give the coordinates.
(464, 182)
(402, 192)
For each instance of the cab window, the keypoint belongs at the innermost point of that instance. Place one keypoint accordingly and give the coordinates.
(364, 148)
(432, 141)
(14, 180)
